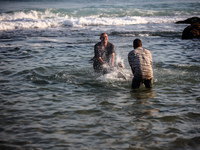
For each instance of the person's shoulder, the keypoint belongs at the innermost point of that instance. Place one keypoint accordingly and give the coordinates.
(111, 44)
(97, 44)
(138, 50)
(147, 51)
(131, 52)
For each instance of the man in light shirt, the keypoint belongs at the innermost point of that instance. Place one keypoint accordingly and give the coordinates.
(140, 60)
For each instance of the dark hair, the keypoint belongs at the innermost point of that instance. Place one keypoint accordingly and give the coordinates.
(137, 43)
(102, 34)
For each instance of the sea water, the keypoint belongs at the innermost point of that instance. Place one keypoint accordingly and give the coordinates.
(50, 97)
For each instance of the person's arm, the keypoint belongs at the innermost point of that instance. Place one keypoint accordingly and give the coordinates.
(133, 71)
(97, 55)
(113, 59)
(151, 59)
(112, 55)
(101, 60)
(131, 63)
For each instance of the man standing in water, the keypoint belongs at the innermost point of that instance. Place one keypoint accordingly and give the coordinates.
(140, 60)
(104, 54)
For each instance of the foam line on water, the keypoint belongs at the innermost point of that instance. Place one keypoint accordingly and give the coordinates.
(45, 19)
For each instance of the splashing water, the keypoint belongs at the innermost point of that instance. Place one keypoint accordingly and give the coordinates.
(118, 72)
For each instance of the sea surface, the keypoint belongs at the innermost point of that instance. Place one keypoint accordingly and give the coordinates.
(51, 98)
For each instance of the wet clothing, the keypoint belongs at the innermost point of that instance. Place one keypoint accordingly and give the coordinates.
(140, 60)
(105, 54)
(137, 83)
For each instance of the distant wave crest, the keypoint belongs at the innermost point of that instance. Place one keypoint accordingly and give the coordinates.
(48, 18)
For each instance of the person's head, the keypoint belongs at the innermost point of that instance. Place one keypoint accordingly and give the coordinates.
(137, 43)
(104, 37)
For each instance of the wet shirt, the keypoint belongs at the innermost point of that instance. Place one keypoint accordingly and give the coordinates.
(104, 54)
(140, 60)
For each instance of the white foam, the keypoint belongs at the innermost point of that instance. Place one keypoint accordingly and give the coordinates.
(38, 19)
(117, 74)
(26, 20)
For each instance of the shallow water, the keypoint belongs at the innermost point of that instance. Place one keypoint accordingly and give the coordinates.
(52, 99)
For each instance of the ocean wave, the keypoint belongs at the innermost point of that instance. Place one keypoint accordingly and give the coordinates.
(31, 21)
(47, 19)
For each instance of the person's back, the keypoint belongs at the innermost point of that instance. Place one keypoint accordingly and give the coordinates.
(140, 60)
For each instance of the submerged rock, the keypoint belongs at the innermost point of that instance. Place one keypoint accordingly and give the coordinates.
(193, 30)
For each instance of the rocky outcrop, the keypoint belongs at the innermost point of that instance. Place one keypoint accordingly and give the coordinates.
(193, 30)
(189, 21)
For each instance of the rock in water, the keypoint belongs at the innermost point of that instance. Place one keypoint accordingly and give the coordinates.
(189, 21)
(193, 30)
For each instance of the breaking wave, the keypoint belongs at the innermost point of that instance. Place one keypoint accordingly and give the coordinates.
(49, 18)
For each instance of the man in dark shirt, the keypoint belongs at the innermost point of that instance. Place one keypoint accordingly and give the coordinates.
(104, 54)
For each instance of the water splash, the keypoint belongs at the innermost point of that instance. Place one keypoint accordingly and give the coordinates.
(117, 73)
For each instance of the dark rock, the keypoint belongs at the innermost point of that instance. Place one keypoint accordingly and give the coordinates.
(17, 48)
(189, 21)
(192, 31)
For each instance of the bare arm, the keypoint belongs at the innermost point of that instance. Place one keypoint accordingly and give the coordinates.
(113, 59)
(101, 59)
